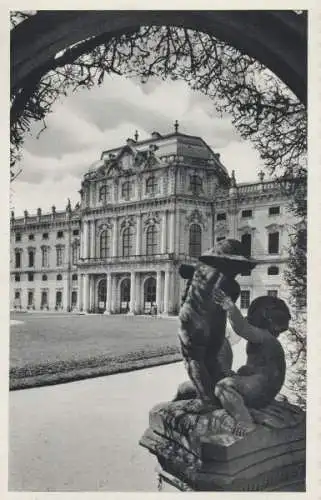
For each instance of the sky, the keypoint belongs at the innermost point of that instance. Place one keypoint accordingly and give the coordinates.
(85, 123)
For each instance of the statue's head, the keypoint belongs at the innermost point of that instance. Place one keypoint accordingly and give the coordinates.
(269, 313)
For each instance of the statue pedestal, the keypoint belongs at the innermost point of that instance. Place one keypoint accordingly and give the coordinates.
(198, 451)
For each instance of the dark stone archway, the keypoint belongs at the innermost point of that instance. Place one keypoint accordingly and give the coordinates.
(278, 39)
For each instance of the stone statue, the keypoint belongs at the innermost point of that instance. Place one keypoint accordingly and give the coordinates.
(227, 431)
(206, 352)
(258, 382)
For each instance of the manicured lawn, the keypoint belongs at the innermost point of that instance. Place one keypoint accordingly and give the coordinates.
(50, 348)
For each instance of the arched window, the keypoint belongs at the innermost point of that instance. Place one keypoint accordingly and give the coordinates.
(127, 241)
(104, 193)
(149, 294)
(196, 184)
(126, 190)
(273, 271)
(44, 277)
(195, 240)
(104, 244)
(151, 185)
(151, 240)
(125, 295)
(59, 277)
(75, 277)
(31, 258)
(102, 295)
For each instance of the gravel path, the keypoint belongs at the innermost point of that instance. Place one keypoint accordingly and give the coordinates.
(83, 436)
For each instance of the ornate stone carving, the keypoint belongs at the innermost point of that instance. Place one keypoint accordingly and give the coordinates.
(128, 221)
(196, 217)
(151, 219)
(105, 224)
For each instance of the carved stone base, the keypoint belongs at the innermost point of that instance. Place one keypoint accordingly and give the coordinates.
(199, 449)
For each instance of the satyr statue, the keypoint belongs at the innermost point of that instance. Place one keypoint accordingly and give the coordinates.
(206, 352)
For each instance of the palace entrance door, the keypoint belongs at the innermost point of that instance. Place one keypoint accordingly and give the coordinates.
(102, 295)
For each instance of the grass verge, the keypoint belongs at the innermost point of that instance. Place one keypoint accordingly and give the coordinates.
(59, 372)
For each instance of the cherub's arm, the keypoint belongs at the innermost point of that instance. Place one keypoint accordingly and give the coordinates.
(239, 324)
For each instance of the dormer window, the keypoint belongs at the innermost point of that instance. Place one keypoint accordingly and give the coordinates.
(196, 185)
(151, 185)
(126, 190)
(104, 194)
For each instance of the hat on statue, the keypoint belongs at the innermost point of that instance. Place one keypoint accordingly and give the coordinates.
(228, 253)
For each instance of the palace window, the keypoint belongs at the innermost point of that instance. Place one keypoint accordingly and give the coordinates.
(104, 244)
(17, 277)
(274, 243)
(151, 185)
(44, 277)
(44, 299)
(272, 293)
(274, 211)
(75, 232)
(245, 299)
(273, 271)
(58, 298)
(17, 295)
(44, 257)
(59, 277)
(221, 216)
(60, 234)
(75, 253)
(31, 258)
(30, 277)
(126, 190)
(75, 277)
(196, 184)
(195, 240)
(127, 242)
(151, 240)
(18, 237)
(59, 256)
(17, 260)
(30, 298)
(73, 298)
(104, 193)
(246, 240)
(45, 236)
(247, 213)
(31, 237)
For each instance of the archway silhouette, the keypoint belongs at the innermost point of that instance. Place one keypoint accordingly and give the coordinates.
(277, 39)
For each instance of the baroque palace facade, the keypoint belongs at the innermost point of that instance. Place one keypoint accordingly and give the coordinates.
(145, 208)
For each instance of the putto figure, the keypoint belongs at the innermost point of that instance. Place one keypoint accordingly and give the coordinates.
(206, 352)
(256, 383)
